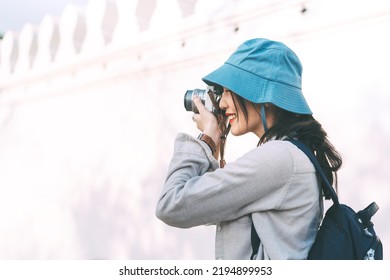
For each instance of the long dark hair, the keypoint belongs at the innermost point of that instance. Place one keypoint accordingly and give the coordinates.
(304, 128)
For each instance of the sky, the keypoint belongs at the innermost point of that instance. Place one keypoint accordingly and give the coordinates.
(14, 14)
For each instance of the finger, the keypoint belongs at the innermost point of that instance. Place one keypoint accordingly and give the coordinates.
(195, 117)
(199, 105)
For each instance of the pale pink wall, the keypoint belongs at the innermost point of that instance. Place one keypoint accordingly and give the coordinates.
(90, 104)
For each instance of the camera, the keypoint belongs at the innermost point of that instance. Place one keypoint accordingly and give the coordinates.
(210, 98)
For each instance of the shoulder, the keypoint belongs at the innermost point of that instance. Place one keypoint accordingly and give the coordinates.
(282, 154)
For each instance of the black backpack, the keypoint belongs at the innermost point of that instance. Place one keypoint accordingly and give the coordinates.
(343, 234)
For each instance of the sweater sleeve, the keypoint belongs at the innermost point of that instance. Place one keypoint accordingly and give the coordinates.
(197, 192)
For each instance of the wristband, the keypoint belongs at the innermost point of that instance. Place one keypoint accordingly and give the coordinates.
(209, 141)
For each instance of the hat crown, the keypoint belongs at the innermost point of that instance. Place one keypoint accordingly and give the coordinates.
(270, 60)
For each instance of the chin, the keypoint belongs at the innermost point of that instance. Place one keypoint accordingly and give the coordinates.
(236, 133)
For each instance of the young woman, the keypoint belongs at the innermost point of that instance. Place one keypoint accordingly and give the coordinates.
(273, 186)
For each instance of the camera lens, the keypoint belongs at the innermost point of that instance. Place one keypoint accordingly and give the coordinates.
(188, 104)
(188, 100)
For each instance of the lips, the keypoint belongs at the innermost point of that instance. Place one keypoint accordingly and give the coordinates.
(231, 117)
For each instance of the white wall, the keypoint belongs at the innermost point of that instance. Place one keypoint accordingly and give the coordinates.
(90, 104)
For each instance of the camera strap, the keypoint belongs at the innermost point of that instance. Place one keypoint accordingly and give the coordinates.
(225, 132)
(222, 127)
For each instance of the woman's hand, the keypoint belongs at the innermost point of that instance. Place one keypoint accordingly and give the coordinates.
(206, 121)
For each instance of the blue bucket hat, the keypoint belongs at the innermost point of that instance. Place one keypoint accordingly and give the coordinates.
(263, 71)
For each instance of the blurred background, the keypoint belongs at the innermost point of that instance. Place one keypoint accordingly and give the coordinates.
(91, 99)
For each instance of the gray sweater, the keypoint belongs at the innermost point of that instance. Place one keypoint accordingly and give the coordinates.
(275, 185)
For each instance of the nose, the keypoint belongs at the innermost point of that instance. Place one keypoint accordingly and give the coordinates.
(222, 102)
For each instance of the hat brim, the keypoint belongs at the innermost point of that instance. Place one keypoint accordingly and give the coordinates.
(258, 89)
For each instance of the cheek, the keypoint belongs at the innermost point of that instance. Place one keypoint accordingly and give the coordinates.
(254, 125)
(241, 126)
(254, 120)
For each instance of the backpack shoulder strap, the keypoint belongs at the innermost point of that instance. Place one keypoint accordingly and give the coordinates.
(325, 183)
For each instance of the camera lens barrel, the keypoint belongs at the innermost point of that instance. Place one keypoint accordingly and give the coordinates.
(188, 100)
(188, 104)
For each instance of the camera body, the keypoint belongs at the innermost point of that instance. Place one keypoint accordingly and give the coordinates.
(210, 98)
